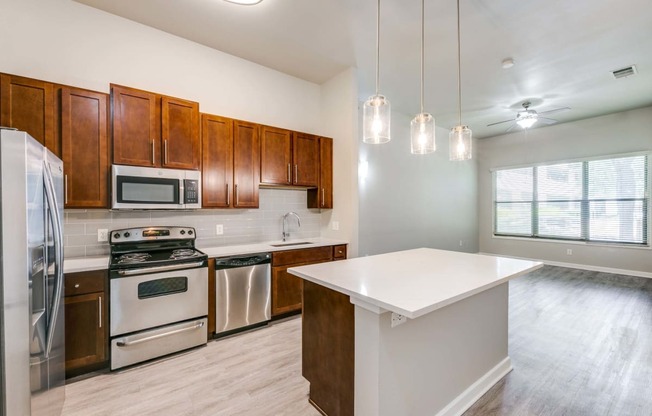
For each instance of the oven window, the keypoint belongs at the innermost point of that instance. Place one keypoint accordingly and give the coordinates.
(162, 287)
(133, 189)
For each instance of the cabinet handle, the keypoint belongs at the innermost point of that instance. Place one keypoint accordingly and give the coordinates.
(289, 174)
(165, 150)
(296, 173)
(228, 199)
(76, 285)
(100, 309)
(323, 192)
(66, 186)
(153, 153)
(339, 252)
(237, 199)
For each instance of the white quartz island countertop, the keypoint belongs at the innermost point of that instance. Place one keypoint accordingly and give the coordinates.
(415, 282)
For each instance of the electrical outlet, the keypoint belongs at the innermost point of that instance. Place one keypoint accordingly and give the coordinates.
(461, 243)
(219, 229)
(102, 235)
(569, 251)
(335, 225)
(398, 319)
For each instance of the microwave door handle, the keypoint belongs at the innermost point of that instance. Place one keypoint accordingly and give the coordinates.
(51, 199)
(182, 192)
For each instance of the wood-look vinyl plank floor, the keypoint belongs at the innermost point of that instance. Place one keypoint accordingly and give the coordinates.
(580, 343)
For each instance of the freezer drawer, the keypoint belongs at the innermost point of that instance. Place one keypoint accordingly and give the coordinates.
(145, 345)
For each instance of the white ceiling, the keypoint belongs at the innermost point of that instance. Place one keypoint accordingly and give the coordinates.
(564, 50)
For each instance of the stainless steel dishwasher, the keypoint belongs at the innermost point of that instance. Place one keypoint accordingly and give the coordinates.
(243, 292)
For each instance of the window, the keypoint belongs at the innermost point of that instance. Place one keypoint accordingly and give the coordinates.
(602, 200)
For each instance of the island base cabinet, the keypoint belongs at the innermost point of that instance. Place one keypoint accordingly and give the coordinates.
(328, 349)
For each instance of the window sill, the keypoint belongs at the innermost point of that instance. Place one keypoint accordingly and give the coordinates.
(581, 243)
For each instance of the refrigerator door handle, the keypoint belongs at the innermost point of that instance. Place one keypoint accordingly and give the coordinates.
(53, 208)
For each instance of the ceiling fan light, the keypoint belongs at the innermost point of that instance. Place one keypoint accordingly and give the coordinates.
(422, 134)
(244, 2)
(460, 142)
(526, 122)
(376, 116)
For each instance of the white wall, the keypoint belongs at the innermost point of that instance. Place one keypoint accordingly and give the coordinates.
(629, 131)
(70, 43)
(339, 121)
(410, 201)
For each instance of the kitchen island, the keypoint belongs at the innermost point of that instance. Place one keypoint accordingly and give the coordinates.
(416, 332)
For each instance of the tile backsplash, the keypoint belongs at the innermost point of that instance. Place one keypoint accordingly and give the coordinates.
(241, 226)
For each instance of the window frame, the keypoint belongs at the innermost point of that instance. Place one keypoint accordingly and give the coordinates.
(647, 203)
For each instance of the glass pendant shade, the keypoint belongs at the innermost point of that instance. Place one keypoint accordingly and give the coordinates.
(375, 120)
(422, 134)
(460, 142)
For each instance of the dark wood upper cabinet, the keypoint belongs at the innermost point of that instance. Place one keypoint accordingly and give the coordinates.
(28, 105)
(154, 130)
(217, 161)
(322, 196)
(180, 133)
(246, 164)
(136, 127)
(276, 156)
(305, 155)
(85, 148)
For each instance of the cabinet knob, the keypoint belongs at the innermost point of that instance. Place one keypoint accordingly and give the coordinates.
(76, 285)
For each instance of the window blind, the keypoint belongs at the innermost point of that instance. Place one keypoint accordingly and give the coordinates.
(603, 200)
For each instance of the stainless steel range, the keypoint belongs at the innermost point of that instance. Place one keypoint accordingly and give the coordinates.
(159, 286)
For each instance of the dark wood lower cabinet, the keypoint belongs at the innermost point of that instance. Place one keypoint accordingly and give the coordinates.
(86, 322)
(328, 349)
(286, 291)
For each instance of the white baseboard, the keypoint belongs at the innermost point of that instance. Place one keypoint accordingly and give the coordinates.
(471, 395)
(625, 272)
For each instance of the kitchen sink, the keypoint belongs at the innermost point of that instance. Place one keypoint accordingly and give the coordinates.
(300, 243)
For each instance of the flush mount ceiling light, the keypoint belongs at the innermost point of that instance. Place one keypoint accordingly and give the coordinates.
(460, 138)
(422, 127)
(244, 2)
(376, 111)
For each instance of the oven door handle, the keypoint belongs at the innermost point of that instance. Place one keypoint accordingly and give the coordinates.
(127, 343)
(144, 270)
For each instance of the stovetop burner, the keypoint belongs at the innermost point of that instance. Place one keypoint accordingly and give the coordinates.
(130, 258)
(184, 253)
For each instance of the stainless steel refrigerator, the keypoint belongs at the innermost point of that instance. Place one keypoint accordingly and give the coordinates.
(31, 278)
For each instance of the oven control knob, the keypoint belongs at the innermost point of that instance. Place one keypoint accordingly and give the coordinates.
(189, 232)
(182, 232)
(127, 234)
(116, 235)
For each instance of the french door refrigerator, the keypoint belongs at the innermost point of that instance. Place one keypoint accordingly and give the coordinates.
(31, 278)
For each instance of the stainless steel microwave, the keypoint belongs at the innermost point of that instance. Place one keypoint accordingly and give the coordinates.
(136, 187)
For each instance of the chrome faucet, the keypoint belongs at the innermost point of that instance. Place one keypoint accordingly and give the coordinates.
(285, 220)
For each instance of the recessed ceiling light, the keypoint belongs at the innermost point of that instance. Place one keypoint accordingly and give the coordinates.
(508, 63)
(244, 2)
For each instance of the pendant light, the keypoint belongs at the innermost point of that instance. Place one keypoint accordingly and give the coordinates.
(376, 112)
(460, 138)
(422, 126)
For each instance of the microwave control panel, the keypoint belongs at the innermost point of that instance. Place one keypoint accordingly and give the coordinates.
(191, 191)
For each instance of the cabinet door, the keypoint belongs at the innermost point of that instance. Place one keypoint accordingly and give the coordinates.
(217, 161)
(136, 127)
(85, 317)
(305, 155)
(276, 156)
(322, 196)
(180, 133)
(85, 148)
(246, 164)
(286, 291)
(28, 104)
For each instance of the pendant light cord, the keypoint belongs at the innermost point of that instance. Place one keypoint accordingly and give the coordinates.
(422, 43)
(459, 65)
(378, 49)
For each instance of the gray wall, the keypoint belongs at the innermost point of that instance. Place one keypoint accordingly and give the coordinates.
(625, 132)
(410, 201)
(241, 226)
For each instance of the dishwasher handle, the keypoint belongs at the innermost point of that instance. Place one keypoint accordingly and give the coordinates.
(222, 263)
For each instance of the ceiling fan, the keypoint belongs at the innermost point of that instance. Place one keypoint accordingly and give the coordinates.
(528, 118)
